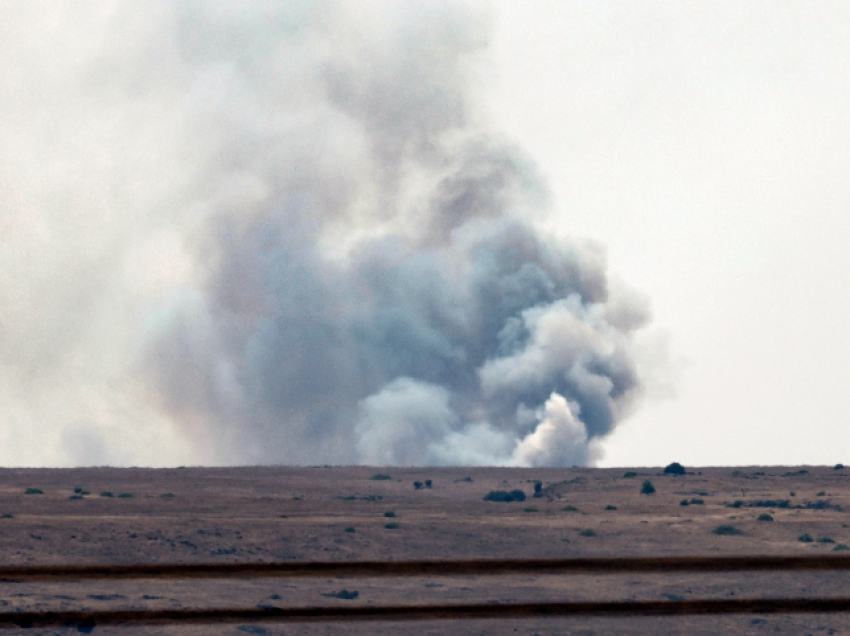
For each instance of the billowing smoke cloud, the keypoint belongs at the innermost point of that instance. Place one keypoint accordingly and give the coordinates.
(298, 242)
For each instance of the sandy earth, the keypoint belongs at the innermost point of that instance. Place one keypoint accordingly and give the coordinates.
(270, 514)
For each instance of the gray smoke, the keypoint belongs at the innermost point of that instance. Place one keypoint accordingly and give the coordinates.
(315, 248)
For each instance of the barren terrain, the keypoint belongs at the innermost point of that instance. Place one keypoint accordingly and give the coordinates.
(105, 515)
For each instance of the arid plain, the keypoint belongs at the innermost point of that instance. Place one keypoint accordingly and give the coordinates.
(194, 515)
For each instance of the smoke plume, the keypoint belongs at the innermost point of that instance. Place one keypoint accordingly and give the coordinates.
(284, 233)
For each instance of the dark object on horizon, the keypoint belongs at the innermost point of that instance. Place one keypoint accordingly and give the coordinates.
(428, 483)
(647, 488)
(417, 485)
(838, 467)
(502, 495)
(674, 469)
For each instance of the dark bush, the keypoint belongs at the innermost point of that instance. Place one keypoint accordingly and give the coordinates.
(33, 491)
(697, 502)
(805, 538)
(647, 488)
(529, 509)
(538, 488)
(674, 469)
(727, 530)
(826, 540)
(841, 547)
(345, 595)
(684, 502)
(392, 526)
(125, 495)
(389, 513)
(350, 529)
(106, 493)
(167, 495)
(629, 475)
(735, 504)
(380, 477)
(428, 483)
(417, 485)
(587, 533)
(502, 495)
(764, 517)
(838, 467)
(7, 515)
(822, 493)
(610, 507)
(569, 509)
(76, 497)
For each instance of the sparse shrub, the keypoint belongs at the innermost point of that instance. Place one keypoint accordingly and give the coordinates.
(735, 504)
(33, 491)
(569, 509)
(125, 495)
(838, 467)
(841, 547)
(826, 540)
(502, 495)
(380, 477)
(389, 513)
(629, 475)
(106, 493)
(684, 502)
(727, 530)
(76, 497)
(344, 595)
(392, 526)
(764, 517)
(697, 502)
(610, 507)
(465, 479)
(529, 509)
(349, 529)
(647, 488)
(417, 485)
(674, 469)
(587, 533)
(7, 515)
(78, 490)
(822, 493)
(538, 488)
(428, 483)
(805, 538)
(167, 495)
(792, 493)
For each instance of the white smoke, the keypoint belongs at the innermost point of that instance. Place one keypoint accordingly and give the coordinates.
(284, 233)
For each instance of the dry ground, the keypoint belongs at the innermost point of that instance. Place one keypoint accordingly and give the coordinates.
(321, 514)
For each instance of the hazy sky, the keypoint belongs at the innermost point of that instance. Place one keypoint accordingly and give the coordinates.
(705, 144)
(149, 157)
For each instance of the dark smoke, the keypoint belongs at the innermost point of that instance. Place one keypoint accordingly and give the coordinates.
(368, 280)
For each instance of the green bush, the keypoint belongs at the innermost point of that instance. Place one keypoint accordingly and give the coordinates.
(629, 475)
(697, 502)
(647, 488)
(502, 495)
(674, 469)
(125, 495)
(684, 502)
(838, 467)
(389, 513)
(727, 530)
(76, 497)
(821, 494)
(33, 491)
(106, 493)
(841, 547)
(569, 509)
(380, 477)
(392, 526)
(350, 529)
(826, 540)
(805, 538)
(167, 495)
(529, 509)
(764, 517)
(587, 533)
(7, 515)
(610, 507)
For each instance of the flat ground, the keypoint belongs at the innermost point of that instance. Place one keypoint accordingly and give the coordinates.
(334, 514)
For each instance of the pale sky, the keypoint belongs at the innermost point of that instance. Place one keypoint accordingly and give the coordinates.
(143, 147)
(707, 146)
